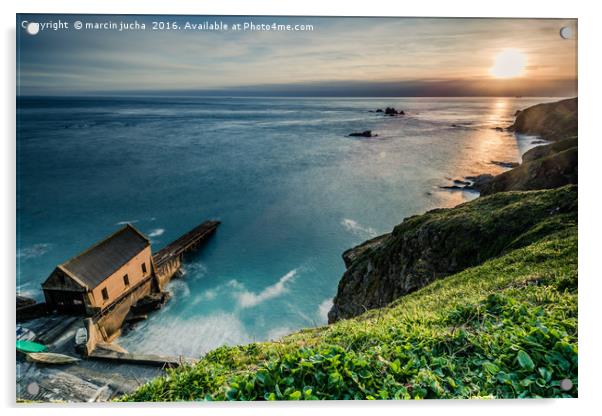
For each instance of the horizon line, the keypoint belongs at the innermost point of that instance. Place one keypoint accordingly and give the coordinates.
(284, 96)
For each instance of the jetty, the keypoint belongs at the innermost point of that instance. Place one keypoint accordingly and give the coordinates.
(161, 361)
(186, 243)
(169, 259)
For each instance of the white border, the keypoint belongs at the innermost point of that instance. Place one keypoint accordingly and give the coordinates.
(591, 151)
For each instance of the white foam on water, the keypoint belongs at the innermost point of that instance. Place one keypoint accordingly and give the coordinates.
(210, 294)
(247, 299)
(28, 291)
(356, 228)
(156, 232)
(277, 333)
(33, 251)
(323, 309)
(235, 284)
(127, 222)
(191, 337)
(193, 270)
(179, 289)
(206, 296)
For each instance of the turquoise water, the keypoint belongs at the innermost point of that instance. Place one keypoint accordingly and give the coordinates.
(291, 189)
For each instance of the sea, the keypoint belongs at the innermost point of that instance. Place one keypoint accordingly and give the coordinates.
(292, 191)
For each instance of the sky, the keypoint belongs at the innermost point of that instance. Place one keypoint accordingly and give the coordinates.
(339, 57)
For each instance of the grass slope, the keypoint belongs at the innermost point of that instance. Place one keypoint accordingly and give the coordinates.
(504, 329)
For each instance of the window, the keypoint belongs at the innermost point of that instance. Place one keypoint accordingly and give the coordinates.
(143, 268)
(126, 280)
(105, 294)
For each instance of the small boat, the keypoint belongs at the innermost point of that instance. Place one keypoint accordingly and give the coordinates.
(26, 347)
(51, 358)
(25, 334)
(81, 336)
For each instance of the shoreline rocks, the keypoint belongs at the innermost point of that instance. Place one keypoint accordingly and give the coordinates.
(365, 133)
(391, 111)
(469, 183)
(548, 169)
(504, 164)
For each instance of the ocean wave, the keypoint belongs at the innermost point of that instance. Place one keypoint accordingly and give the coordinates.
(356, 228)
(193, 270)
(324, 308)
(209, 294)
(126, 222)
(28, 291)
(189, 337)
(277, 333)
(179, 289)
(247, 299)
(33, 251)
(156, 232)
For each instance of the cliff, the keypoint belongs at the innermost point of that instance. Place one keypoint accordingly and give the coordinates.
(552, 121)
(427, 247)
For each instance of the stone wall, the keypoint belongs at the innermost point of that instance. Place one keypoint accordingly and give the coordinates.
(167, 270)
(106, 327)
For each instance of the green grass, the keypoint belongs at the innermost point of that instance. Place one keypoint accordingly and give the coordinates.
(504, 329)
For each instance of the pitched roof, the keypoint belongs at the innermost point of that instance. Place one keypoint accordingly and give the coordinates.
(106, 257)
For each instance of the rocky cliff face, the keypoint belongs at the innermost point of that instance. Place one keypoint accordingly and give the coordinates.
(552, 121)
(441, 242)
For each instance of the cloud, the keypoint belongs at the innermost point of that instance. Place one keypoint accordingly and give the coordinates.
(339, 49)
(247, 299)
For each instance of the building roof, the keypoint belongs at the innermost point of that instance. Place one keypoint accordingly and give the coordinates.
(103, 259)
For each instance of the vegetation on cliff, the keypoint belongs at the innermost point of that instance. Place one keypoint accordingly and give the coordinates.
(552, 121)
(505, 328)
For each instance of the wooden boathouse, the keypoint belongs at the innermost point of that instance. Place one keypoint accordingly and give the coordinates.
(96, 278)
(106, 280)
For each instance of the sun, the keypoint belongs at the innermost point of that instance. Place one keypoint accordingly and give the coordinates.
(508, 63)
